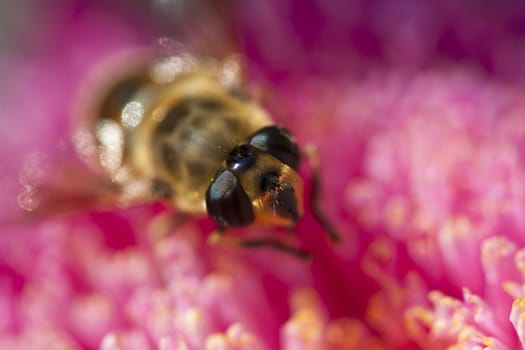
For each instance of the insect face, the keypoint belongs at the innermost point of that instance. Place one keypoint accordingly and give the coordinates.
(256, 185)
(280, 196)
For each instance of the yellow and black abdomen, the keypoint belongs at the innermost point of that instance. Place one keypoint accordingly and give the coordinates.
(186, 134)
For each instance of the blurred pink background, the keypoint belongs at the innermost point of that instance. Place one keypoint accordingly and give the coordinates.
(417, 110)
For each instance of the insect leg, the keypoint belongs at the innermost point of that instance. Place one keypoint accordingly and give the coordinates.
(275, 244)
(310, 151)
(218, 236)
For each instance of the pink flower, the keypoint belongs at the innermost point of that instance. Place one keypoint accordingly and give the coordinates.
(417, 112)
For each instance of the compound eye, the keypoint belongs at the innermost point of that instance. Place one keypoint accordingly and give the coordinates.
(279, 143)
(241, 158)
(227, 203)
